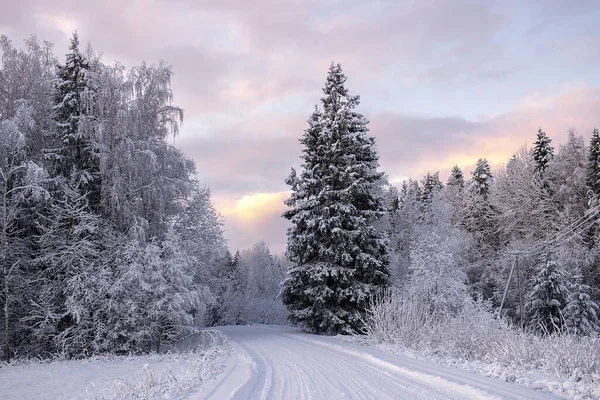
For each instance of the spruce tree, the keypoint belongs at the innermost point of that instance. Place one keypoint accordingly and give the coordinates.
(593, 167)
(482, 178)
(431, 185)
(581, 312)
(456, 177)
(547, 298)
(341, 261)
(542, 151)
(75, 156)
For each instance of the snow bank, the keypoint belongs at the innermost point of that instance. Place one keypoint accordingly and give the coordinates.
(154, 376)
(473, 339)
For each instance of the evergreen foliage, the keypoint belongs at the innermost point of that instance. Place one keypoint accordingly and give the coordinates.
(593, 166)
(542, 151)
(547, 298)
(456, 177)
(581, 312)
(341, 261)
(76, 156)
(108, 242)
(482, 178)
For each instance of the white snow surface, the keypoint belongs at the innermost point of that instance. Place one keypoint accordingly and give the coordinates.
(164, 376)
(275, 362)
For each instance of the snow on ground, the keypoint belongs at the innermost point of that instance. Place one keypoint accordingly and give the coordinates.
(263, 362)
(535, 379)
(274, 362)
(149, 377)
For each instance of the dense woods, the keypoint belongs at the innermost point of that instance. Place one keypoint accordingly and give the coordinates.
(108, 240)
(523, 238)
(520, 242)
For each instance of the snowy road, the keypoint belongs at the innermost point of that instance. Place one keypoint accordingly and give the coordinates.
(273, 362)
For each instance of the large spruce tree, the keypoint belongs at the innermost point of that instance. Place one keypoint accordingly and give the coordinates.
(75, 156)
(341, 261)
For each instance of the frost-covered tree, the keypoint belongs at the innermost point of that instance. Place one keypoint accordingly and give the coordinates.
(547, 298)
(542, 151)
(482, 178)
(76, 154)
(21, 191)
(456, 177)
(251, 290)
(120, 217)
(264, 275)
(477, 215)
(341, 261)
(581, 313)
(69, 248)
(153, 298)
(593, 166)
(526, 211)
(436, 280)
(232, 310)
(567, 179)
(29, 75)
(431, 185)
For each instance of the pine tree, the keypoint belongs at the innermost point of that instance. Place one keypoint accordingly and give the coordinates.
(547, 298)
(542, 151)
(76, 156)
(593, 167)
(233, 309)
(341, 262)
(581, 312)
(456, 177)
(431, 186)
(482, 178)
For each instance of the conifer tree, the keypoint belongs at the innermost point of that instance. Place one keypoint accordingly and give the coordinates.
(75, 157)
(593, 167)
(581, 312)
(341, 261)
(542, 151)
(456, 177)
(482, 178)
(431, 185)
(547, 298)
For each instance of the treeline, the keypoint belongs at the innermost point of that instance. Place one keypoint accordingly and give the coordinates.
(108, 241)
(534, 220)
(247, 289)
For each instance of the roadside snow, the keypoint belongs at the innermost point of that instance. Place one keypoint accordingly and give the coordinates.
(535, 379)
(148, 377)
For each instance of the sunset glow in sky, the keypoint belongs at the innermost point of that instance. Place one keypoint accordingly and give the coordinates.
(442, 82)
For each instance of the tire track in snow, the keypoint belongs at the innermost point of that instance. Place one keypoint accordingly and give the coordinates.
(283, 363)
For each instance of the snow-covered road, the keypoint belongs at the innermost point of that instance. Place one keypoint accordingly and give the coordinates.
(272, 362)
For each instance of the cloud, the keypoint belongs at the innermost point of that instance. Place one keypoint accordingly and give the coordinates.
(253, 218)
(253, 207)
(412, 146)
(443, 82)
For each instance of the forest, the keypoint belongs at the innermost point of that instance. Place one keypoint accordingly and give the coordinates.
(110, 243)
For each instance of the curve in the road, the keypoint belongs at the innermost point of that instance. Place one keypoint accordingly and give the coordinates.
(272, 362)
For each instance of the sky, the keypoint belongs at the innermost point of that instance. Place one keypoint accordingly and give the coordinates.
(442, 82)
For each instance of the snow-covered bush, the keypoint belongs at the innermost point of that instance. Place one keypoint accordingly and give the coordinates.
(188, 370)
(475, 334)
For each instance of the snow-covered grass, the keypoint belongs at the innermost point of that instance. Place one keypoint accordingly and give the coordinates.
(188, 366)
(474, 339)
